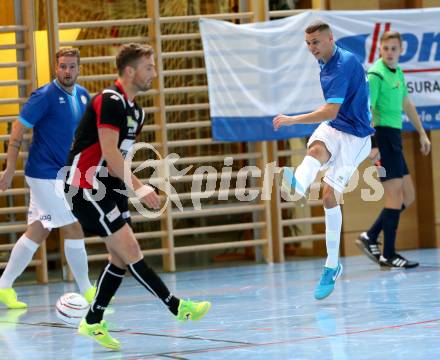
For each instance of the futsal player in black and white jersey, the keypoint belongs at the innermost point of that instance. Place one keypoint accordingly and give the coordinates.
(106, 132)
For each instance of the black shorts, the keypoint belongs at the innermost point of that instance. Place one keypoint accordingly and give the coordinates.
(99, 215)
(389, 141)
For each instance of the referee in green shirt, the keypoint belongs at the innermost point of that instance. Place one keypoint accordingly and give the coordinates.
(389, 97)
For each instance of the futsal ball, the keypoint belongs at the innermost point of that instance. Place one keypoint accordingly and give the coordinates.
(71, 308)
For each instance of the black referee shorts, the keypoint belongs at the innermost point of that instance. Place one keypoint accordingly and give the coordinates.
(389, 141)
(100, 215)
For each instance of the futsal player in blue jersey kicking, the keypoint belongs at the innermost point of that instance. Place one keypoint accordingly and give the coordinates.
(339, 144)
(53, 112)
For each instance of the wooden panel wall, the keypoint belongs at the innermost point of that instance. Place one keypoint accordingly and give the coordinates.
(430, 3)
(354, 5)
(7, 12)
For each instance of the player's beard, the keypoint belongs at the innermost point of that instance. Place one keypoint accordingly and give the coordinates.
(67, 82)
(143, 86)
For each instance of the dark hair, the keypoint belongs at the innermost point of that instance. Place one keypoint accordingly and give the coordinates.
(317, 25)
(73, 52)
(387, 35)
(129, 54)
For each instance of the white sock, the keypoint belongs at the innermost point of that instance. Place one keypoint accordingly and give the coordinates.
(21, 255)
(76, 256)
(333, 224)
(306, 173)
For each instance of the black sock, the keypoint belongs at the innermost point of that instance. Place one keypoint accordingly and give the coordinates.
(375, 230)
(390, 224)
(153, 283)
(377, 227)
(107, 285)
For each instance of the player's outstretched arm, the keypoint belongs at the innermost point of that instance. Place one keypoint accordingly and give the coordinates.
(15, 139)
(326, 112)
(108, 139)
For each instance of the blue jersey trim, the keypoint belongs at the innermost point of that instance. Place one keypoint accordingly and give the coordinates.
(335, 100)
(25, 122)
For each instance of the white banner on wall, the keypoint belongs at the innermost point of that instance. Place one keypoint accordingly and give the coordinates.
(258, 70)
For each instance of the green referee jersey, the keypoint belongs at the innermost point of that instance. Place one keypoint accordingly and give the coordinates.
(387, 90)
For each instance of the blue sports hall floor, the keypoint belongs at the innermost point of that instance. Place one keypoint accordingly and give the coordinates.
(259, 312)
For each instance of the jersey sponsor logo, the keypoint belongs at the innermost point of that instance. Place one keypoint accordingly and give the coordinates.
(115, 97)
(417, 47)
(62, 100)
(83, 99)
(126, 146)
(136, 114)
(132, 125)
(113, 215)
(46, 217)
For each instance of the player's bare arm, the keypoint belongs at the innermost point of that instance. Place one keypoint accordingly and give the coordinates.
(324, 113)
(18, 129)
(108, 140)
(410, 110)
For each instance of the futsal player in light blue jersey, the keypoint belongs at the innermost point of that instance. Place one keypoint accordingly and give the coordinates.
(339, 144)
(53, 112)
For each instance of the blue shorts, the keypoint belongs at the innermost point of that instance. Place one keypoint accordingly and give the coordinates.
(389, 141)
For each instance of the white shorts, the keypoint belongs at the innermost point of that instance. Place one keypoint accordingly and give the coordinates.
(48, 204)
(347, 152)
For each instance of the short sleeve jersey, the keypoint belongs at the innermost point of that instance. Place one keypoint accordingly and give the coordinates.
(343, 81)
(387, 91)
(109, 109)
(54, 115)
